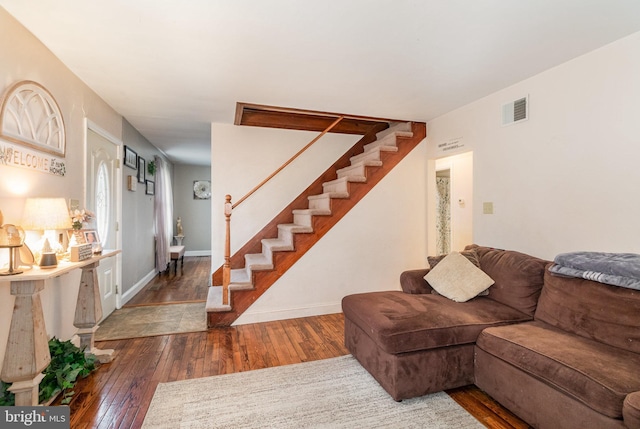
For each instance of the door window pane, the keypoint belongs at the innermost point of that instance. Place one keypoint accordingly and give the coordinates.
(103, 202)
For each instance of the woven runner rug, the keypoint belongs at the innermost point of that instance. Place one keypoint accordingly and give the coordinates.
(331, 393)
(148, 321)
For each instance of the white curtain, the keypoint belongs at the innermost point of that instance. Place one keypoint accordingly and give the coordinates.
(163, 213)
(443, 225)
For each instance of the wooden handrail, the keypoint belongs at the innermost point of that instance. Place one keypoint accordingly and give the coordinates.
(329, 128)
(228, 210)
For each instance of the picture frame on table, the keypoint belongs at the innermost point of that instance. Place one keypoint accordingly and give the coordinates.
(83, 236)
(77, 233)
(141, 170)
(150, 188)
(91, 236)
(130, 158)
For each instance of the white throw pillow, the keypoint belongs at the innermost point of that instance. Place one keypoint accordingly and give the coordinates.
(457, 278)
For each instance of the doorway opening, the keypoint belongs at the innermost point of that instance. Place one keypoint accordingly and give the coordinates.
(443, 211)
(450, 219)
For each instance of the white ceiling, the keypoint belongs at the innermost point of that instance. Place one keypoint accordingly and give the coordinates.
(171, 67)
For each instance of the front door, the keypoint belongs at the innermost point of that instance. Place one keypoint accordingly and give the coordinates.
(102, 199)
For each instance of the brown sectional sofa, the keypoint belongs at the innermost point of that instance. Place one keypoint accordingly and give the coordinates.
(559, 352)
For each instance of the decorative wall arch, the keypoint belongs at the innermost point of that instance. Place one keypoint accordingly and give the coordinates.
(29, 115)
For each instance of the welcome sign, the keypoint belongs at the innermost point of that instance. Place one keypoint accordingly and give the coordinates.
(32, 133)
(13, 155)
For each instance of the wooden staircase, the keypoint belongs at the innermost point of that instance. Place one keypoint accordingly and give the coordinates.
(272, 251)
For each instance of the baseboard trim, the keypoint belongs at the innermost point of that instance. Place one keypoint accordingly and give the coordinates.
(197, 253)
(126, 297)
(292, 313)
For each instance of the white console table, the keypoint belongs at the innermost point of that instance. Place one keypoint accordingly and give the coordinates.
(27, 351)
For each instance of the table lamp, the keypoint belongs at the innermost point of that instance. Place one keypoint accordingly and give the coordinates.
(46, 214)
(11, 237)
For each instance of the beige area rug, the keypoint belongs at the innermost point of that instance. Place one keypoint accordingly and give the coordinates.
(148, 321)
(331, 393)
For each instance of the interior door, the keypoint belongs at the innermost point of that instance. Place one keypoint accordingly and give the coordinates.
(102, 199)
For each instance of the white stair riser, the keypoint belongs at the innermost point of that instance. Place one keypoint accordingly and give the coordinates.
(339, 186)
(389, 140)
(368, 156)
(303, 219)
(400, 128)
(320, 203)
(353, 173)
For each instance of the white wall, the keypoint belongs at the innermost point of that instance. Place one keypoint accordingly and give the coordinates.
(378, 239)
(195, 214)
(25, 58)
(567, 178)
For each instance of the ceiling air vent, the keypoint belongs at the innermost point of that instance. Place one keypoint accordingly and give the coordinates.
(515, 111)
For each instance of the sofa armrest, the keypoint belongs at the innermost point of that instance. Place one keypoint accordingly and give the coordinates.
(631, 410)
(413, 281)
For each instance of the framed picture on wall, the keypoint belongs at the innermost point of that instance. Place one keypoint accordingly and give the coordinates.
(130, 158)
(150, 188)
(141, 170)
(201, 189)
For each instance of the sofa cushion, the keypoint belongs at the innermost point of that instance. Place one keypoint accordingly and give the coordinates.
(471, 255)
(400, 322)
(412, 281)
(518, 277)
(609, 314)
(593, 373)
(457, 278)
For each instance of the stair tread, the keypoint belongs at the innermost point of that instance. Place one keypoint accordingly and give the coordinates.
(375, 150)
(398, 128)
(214, 301)
(313, 212)
(318, 196)
(337, 181)
(329, 195)
(240, 276)
(353, 173)
(277, 244)
(362, 163)
(383, 144)
(258, 261)
(294, 227)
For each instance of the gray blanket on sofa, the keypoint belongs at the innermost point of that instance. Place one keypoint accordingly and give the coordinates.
(618, 269)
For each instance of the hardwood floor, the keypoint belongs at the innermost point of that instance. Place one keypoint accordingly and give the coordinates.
(118, 394)
(188, 285)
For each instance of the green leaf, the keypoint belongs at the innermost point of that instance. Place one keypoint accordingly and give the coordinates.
(68, 362)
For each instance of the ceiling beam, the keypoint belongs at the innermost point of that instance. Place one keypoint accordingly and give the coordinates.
(308, 120)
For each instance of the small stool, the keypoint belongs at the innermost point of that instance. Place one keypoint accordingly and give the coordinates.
(177, 253)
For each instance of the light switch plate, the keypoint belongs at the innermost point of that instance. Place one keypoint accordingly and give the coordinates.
(487, 208)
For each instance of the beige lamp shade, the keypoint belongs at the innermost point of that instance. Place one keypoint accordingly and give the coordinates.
(42, 214)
